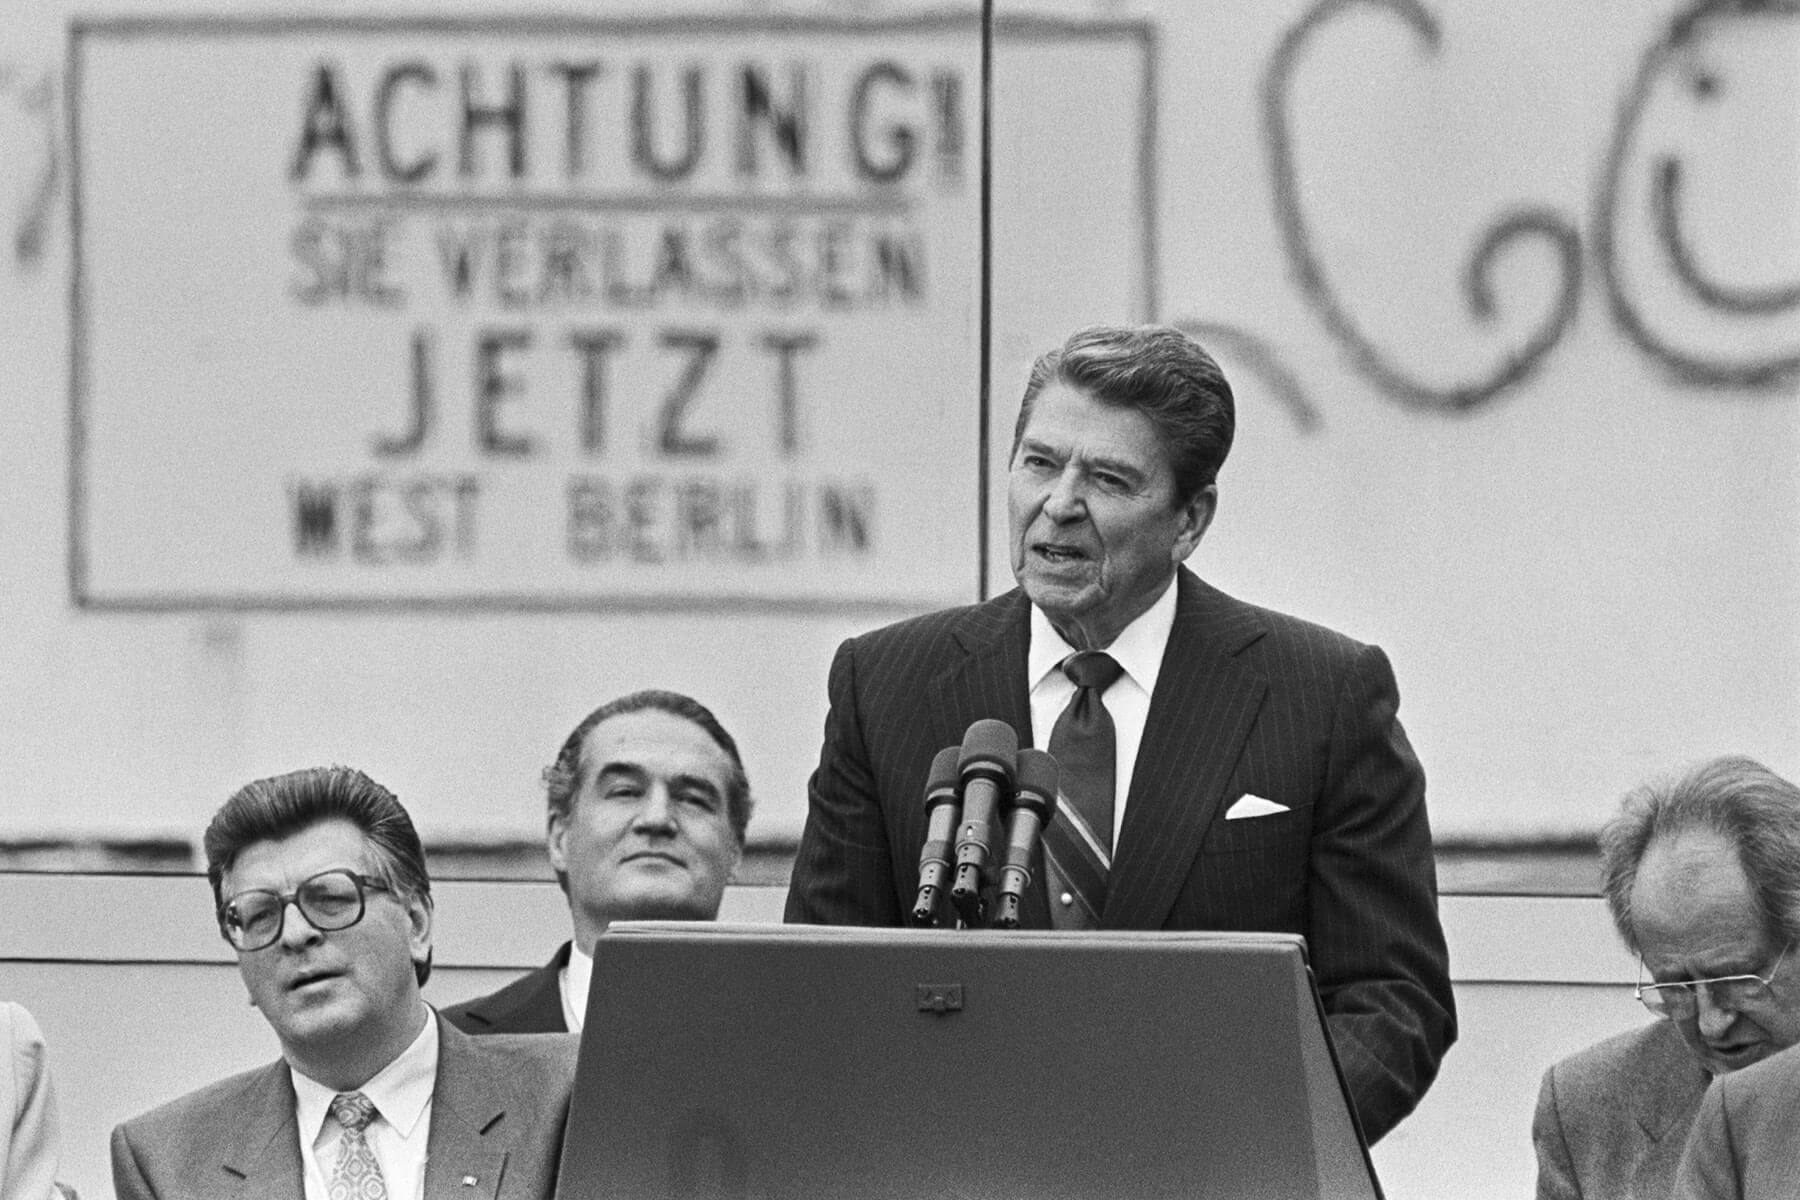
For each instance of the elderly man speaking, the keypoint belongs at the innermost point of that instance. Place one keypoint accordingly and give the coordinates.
(1703, 877)
(1223, 766)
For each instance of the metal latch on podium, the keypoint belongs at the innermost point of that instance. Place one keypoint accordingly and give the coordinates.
(939, 998)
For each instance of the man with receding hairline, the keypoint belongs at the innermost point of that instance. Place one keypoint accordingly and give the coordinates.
(1702, 874)
(647, 808)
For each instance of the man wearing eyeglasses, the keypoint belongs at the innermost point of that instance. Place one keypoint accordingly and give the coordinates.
(1699, 873)
(321, 889)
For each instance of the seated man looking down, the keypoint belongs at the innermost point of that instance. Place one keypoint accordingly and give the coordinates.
(321, 888)
(1701, 875)
(648, 803)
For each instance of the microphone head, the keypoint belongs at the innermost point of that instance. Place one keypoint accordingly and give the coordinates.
(1038, 779)
(940, 784)
(989, 747)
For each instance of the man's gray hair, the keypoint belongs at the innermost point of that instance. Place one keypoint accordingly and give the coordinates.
(1739, 799)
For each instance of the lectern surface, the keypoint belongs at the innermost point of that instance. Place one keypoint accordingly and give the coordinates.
(795, 1063)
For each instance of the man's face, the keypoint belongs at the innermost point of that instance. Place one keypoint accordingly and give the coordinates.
(648, 835)
(1695, 919)
(1096, 530)
(328, 994)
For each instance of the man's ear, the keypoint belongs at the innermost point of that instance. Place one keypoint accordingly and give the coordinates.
(1197, 513)
(556, 831)
(418, 920)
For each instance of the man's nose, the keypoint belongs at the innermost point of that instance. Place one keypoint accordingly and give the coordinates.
(657, 812)
(1714, 1018)
(296, 930)
(1067, 499)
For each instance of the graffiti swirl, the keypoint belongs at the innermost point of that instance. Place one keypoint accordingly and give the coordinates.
(1513, 229)
(37, 101)
(1262, 360)
(1703, 330)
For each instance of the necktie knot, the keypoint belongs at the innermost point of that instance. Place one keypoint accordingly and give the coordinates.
(1092, 669)
(353, 1110)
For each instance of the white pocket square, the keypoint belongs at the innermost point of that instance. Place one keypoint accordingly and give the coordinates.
(1253, 806)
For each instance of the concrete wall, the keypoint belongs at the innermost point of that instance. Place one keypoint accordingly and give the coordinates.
(1484, 418)
(140, 1002)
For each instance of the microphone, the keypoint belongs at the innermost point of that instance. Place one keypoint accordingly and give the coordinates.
(1033, 808)
(942, 810)
(986, 766)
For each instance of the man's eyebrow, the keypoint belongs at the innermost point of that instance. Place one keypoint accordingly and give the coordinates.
(1734, 966)
(699, 781)
(1089, 462)
(1112, 466)
(637, 773)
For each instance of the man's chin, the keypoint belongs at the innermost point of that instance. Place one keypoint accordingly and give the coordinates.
(318, 1023)
(1723, 1063)
(663, 904)
(1060, 598)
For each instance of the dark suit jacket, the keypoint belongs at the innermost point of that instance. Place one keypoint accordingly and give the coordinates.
(1745, 1144)
(1611, 1119)
(497, 1116)
(1248, 702)
(531, 1003)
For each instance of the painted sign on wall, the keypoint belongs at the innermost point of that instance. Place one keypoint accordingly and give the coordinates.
(516, 314)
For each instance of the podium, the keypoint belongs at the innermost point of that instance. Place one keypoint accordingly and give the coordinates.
(768, 1062)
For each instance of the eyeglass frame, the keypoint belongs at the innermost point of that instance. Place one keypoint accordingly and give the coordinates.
(1692, 988)
(364, 885)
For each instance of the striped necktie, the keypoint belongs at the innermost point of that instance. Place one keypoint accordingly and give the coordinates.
(1079, 842)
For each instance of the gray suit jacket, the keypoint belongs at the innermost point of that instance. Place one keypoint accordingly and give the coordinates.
(1610, 1120)
(1745, 1144)
(497, 1116)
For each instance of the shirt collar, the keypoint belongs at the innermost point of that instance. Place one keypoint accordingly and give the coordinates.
(578, 977)
(400, 1091)
(1138, 648)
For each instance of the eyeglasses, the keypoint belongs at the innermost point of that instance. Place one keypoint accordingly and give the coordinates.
(330, 900)
(1680, 1001)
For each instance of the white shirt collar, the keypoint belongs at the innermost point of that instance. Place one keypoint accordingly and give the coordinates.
(577, 978)
(400, 1091)
(1138, 648)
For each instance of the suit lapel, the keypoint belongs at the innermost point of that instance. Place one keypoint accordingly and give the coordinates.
(1200, 715)
(1668, 1090)
(990, 683)
(468, 1102)
(262, 1160)
(532, 1004)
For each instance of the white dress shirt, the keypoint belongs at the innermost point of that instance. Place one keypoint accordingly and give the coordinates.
(1139, 649)
(401, 1093)
(575, 978)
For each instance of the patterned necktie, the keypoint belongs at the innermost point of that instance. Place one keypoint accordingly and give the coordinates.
(357, 1175)
(1080, 840)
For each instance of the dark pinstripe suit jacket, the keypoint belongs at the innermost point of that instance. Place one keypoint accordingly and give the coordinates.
(1248, 701)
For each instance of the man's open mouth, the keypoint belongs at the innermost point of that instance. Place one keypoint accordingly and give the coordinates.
(311, 977)
(1059, 554)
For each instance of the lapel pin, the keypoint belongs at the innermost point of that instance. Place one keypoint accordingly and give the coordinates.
(468, 1181)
